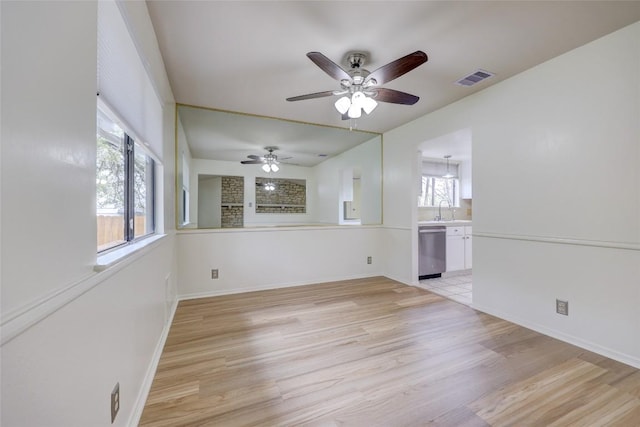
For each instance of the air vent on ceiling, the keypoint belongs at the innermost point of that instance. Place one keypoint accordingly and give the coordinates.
(474, 78)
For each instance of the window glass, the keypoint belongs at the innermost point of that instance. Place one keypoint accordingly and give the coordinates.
(124, 186)
(438, 191)
(110, 184)
(143, 192)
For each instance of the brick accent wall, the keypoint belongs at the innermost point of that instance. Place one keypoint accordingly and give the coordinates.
(289, 196)
(232, 192)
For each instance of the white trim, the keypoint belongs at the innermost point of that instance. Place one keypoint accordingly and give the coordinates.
(270, 228)
(16, 321)
(143, 393)
(587, 345)
(272, 286)
(115, 256)
(561, 240)
(389, 227)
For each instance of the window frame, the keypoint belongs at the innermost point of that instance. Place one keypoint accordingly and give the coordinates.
(129, 211)
(455, 189)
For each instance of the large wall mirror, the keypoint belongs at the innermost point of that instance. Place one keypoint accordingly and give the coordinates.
(238, 170)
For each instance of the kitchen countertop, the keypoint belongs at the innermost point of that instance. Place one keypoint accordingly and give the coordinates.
(446, 223)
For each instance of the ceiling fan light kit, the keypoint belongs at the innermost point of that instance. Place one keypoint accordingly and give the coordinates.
(359, 88)
(353, 107)
(270, 167)
(269, 161)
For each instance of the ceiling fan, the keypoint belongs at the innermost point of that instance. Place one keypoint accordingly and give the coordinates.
(359, 88)
(269, 161)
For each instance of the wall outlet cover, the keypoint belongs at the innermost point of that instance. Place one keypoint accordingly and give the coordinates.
(214, 273)
(115, 402)
(562, 307)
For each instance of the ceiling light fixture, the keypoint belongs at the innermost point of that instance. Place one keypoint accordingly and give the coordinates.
(270, 163)
(353, 106)
(448, 175)
(269, 186)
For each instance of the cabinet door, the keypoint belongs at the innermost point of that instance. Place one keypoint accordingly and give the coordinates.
(455, 253)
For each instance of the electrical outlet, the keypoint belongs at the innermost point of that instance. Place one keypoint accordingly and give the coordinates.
(369, 260)
(115, 402)
(562, 307)
(214, 273)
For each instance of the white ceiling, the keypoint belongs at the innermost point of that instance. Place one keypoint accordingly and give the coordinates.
(456, 144)
(248, 56)
(221, 135)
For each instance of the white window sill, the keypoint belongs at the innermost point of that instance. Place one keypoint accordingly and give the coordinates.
(118, 255)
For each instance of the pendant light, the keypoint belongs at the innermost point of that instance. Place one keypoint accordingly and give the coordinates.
(448, 175)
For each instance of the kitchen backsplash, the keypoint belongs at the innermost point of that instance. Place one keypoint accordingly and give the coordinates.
(463, 212)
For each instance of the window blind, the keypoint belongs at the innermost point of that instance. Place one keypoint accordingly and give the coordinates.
(123, 83)
(439, 168)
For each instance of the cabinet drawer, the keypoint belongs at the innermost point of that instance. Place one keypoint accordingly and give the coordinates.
(455, 231)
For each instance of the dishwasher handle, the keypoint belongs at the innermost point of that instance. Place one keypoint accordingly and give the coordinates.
(432, 230)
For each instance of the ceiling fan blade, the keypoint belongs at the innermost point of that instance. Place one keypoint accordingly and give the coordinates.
(328, 66)
(394, 96)
(252, 162)
(254, 157)
(395, 69)
(311, 96)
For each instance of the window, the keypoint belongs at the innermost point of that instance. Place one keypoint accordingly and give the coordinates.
(124, 186)
(436, 190)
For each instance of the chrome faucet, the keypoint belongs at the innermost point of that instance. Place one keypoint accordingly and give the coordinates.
(439, 217)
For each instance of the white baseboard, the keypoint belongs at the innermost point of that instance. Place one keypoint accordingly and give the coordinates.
(587, 345)
(141, 399)
(217, 293)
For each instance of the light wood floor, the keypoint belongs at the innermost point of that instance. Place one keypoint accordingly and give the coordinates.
(373, 352)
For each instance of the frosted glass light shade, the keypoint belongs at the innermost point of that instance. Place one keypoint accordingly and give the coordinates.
(368, 104)
(343, 104)
(275, 168)
(358, 99)
(355, 111)
(266, 167)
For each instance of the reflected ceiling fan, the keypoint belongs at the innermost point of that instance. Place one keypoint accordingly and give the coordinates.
(360, 89)
(269, 161)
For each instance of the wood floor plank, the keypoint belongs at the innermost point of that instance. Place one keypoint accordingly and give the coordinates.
(374, 352)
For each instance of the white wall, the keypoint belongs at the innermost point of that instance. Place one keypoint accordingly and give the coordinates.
(69, 334)
(48, 169)
(209, 201)
(554, 149)
(263, 258)
(364, 158)
(250, 172)
(61, 371)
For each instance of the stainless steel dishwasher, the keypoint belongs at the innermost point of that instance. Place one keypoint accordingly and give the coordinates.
(431, 251)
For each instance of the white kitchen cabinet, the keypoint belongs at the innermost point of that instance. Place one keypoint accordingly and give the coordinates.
(458, 250)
